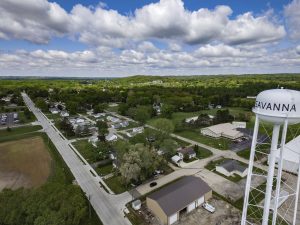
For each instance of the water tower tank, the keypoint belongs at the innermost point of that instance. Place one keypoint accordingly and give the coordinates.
(277, 104)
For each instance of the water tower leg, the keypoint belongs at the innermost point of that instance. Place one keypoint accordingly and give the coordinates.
(270, 177)
(280, 162)
(297, 195)
(251, 160)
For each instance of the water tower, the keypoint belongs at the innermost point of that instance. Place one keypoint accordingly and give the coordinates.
(279, 108)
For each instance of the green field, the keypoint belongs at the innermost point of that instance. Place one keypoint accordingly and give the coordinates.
(16, 133)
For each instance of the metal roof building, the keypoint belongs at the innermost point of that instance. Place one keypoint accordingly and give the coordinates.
(226, 130)
(183, 195)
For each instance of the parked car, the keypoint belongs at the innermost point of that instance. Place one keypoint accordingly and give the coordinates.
(152, 184)
(209, 207)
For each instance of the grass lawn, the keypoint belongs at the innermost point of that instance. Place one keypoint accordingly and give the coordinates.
(53, 116)
(203, 153)
(181, 142)
(113, 108)
(115, 184)
(103, 170)
(222, 143)
(246, 153)
(87, 150)
(23, 119)
(14, 133)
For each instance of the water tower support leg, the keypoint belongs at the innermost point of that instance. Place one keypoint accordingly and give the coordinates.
(272, 158)
(280, 162)
(248, 183)
(297, 195)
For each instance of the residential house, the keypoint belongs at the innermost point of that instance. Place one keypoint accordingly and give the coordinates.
(230, 167)
(186, 152)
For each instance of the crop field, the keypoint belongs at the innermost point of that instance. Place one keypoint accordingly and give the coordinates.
(24, 163)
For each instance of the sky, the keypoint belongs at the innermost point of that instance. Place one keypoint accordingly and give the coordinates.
(116, 38)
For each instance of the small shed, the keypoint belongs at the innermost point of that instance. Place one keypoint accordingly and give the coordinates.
(136, 205)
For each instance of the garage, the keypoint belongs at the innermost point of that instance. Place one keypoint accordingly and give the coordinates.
(173, 218)
(180, 197)
(191, 207)
(200, 201)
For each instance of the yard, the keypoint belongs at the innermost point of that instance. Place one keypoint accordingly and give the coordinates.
(53, 116)
(24, 163)
(103, 170)
(88, 151)
(221, 143)
(203, 153)
(115, 184)
(23, 119)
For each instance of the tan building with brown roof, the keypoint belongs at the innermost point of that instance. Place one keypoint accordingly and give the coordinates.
(186, 194)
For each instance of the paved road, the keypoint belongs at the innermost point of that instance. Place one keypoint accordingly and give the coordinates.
(108, 207)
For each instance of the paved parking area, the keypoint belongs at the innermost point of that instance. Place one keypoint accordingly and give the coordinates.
(225, 214)
(225, 187)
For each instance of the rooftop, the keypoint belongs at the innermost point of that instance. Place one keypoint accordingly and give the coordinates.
(179, 194)
(232, 165)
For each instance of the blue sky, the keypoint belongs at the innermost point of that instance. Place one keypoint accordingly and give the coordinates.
(167, 37)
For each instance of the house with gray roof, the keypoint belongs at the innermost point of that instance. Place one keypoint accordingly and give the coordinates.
(230, 167)
(184, 195)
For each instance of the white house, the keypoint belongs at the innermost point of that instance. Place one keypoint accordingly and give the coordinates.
(226, 130)
(54, 110)
(111, 137)
(230, 167)
(64, 114)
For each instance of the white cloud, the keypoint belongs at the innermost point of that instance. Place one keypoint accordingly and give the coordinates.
(298, 49)
(39, 20)
(208, 59)
(146, 46)
(32, 20)
(292, 14)
(248, 29)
